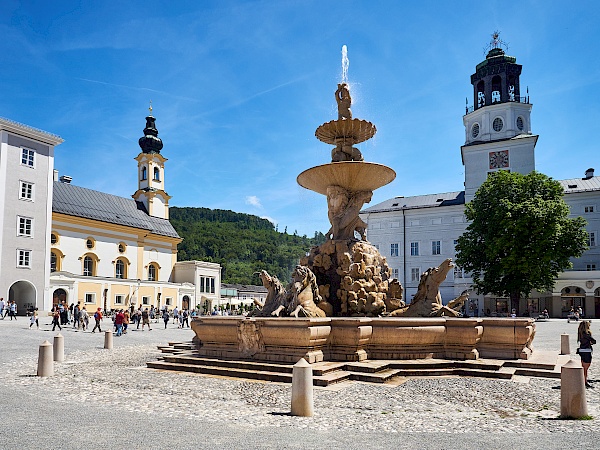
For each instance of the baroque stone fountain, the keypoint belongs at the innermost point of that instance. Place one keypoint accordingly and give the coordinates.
(342, 303)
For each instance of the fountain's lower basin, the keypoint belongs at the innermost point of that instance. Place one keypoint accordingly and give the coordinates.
(360, 338)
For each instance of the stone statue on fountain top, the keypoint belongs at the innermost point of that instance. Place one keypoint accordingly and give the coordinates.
(344, 101)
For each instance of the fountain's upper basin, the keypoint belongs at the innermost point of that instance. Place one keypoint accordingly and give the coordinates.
(352, 175)
(351, 131)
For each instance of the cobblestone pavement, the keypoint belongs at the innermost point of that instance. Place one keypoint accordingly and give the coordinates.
(115, 388)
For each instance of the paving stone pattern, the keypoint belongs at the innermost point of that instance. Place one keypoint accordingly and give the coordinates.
(118, 381)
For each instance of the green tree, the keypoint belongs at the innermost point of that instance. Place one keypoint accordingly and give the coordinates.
(520, 236)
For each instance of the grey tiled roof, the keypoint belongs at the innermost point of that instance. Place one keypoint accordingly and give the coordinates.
(81, 202)
(580, 185)
(419, 201)
(244, 287)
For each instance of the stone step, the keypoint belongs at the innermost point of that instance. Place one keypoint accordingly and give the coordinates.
(234, 364)
(377, 377)
(527, 372)
(263, 375)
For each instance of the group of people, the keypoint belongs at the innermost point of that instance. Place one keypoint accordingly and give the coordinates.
(8, 309)
(77, 315)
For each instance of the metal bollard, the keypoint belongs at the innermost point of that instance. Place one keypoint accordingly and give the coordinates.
(45, 366)
(59, 348)
(573, 403)
(302, 389)
(565, 347)
(108, 340)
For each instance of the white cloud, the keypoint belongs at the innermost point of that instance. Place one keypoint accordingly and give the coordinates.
(254, 201)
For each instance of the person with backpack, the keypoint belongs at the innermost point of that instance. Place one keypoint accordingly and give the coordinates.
(76, 315)
(184, 318)
(166, 317)
(97, 318)
(146, 319)
(56, 319)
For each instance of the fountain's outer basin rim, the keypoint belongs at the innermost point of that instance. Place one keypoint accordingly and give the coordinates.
(352, 175)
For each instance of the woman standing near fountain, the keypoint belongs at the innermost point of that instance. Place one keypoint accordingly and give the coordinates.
(585, 339)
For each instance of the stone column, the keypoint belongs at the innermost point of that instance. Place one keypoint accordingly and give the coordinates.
(573, 403)
(108, 340)
(59, 348)
(302, 389)
(45, 366)
(565, 348)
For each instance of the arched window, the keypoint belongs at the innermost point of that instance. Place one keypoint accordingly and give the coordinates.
(152, 272)
(88, 266)
(144, 173)
(53, 262)
(480, 94)
(496, 89)
(120, 269)
(156, 174)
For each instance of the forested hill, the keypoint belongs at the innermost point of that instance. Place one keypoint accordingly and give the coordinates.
(242, 243)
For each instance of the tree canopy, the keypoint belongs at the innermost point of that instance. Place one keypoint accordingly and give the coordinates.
(520, 236)
(242, 243)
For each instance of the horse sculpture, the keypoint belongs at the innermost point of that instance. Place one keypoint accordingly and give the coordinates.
(427, 302)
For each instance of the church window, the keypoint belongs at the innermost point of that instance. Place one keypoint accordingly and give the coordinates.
(475, 130)
(122, 247)
(89, 243)
(53, 261)
(53, 238)
(152, 272)
(498, 124)
(156, 174)
(120, 269)
(88, 266)
(144, 173)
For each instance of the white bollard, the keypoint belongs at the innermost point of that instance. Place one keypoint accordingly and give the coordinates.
(45, 366)
(573, 403)
(302, 389)
(59, 348)
(565, 347)
(108, 340)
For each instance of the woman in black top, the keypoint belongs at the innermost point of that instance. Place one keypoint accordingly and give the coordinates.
(585, 339)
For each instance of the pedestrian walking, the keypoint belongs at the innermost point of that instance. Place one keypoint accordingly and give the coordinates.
(184, 318)
(56, 319)
(176, 315)
(34, 319)
(84, 318)
(146, 319)
(2, 305)
(126, 321)
(97, 318)
(585, 339)
(166, 317)
(77, 315)
(13, 310)
(119, 322)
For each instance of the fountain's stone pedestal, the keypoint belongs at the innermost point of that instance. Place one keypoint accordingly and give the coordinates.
(360, 338)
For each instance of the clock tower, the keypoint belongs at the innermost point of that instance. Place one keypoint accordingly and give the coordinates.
(151, 171)
(498, 125)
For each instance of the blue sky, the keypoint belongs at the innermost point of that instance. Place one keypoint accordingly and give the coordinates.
(238, 89)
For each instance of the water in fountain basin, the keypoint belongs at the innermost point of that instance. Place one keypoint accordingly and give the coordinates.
(345, 64)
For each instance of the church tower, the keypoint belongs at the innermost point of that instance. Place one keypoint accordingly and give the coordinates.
(498, 125)
(151, 171)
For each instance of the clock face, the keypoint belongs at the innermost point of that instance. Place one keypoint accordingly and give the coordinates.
(499, 160)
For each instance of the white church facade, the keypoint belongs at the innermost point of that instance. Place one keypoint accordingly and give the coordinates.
(418, 232)
(62, 242)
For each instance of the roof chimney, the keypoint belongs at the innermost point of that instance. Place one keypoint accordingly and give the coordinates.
(65, 179)
(589, 174)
